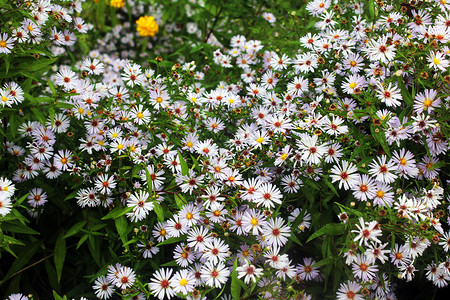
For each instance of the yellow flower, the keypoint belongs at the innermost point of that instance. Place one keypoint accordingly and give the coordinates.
(147, 26)
(117, 3)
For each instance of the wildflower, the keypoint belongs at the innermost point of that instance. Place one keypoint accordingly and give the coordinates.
(345, 175)
(382, 171)
(312, 153)
(160, 284)
(276, 233)
(367, 232)
(267, 194)
(349, 291)
(269, 17)
(437, 61)
(125, 278)
(147, 26)
(215, 250)
(389, 94)
(140, 204)
(183, 282)
(182, 256)
(37, 197)
(103, 289)
(214, 275)
(6, 43)
(380, 50)
(426, 101)
(5, 206)
(252, 221)
(407, 271)
(365, 188)
(117, 3)
(149, 249)
(307, 271)
(249, 272)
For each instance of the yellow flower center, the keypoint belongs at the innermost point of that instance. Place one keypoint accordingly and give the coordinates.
(3, 44)
(140, 115)
(352, 85)
(380, 194)
(193, 99)
(189, 216)
(183, 282)
(4, 99)
(189, 144)
(260, 140)
(120, 146)
(284, 156)
(254, 221)
(159, 99)
(436, 61)
(30, 28)
(403, 162)
(427, 102)
(115, 134)
(63, 160)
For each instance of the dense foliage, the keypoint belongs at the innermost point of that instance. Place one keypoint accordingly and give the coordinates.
(224, 149)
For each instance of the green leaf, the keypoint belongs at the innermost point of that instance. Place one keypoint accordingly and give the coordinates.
(235, 285)
(381, 138)
(82, 240)
(331, 186)
(60, 255)
(404, 91)
(172, 240)
(330, 228)
(179, 199)
(23, 258)
(58, 297)
(184, 166)
(157, 208)
(52, 86)
(18, 227)
(122, 229)
(39, 116)
(71, 195)
(75, 229)
(117, 212)
(21, 199)
(350, 210)
(295, 239)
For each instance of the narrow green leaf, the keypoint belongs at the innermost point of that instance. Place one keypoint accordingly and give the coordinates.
(82, 240)
(23, 258)
(235, 286)
(18, 227)
(184, 166)
(21, 199)
(60, 255)
(330, 228)
(172, 240)
(122, 229)
(75, 229)
(39, 116)
(157, 208)
(117, 212)
(331, 186)
(58, 297)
